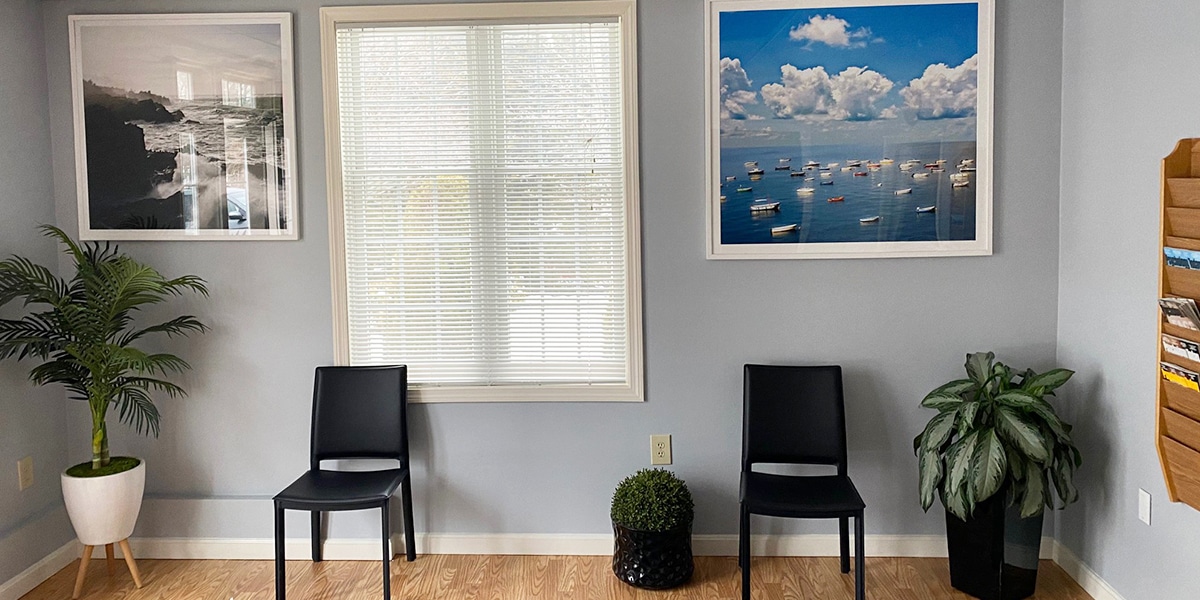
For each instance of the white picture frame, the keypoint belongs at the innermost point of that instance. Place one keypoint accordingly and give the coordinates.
(810, 81)
(184, 126)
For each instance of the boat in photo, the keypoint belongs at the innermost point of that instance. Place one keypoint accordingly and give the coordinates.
(833, 165)
(967, 161)
(920, 175)
(931, 165)
(940, 161)
(966, 169)
(844, 169)
(829, 182)
(745, 189)
(797, 173)
(866, 220)
(906, 167)
(826, 174)
(959, 177)
(782, 229)
(764, 207)
(926, 209)
(903, 191)
(961, 184)
(874, 166)
(806, 190)
(836, 199)
(809, 179)
(854, 163)
(750, 164)
(812, 164)
(937, 170)
(861, 174)
(722, 198)
(729, 178)
(783, 167)
(886, 161)
(755, 171)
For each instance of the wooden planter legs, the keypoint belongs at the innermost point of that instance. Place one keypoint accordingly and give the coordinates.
(108, 555)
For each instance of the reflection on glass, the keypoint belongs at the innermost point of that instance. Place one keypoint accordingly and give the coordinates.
(236, 93)
(189, 176)
(184, 86)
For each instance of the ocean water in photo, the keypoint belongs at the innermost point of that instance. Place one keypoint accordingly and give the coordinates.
(863, 197)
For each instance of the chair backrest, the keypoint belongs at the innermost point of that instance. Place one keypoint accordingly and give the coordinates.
(794, 415)
(360, 412)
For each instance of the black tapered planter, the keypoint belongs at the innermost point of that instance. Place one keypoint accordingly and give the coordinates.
(994, 553)
(653, 559)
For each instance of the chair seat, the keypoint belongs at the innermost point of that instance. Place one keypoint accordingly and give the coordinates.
(800, 497)
(341, 490)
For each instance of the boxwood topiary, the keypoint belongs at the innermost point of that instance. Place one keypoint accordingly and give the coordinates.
(652, 500)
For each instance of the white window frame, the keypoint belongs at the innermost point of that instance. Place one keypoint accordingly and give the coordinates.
(633, 390)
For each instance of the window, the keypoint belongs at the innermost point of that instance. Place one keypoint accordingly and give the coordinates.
(484, 197)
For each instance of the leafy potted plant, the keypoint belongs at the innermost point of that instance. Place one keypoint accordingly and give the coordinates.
(996, 454)
(81, 333)
(652, 514)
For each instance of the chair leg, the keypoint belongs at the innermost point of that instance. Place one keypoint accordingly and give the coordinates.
(109, 560)
(129, 562)
(410, 542)
(860, 560)
(744, 552)
(844, 534)
(280, 567)
(316, 535)
(83, 565)
(387, 554)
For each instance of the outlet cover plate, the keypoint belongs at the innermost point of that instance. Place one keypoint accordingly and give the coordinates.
(660, 449)
(25, 473)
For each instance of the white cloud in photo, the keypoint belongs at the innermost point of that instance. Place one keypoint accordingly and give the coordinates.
(852, 95)
(736, 94)
(944, 92)
(832, 32)
(856, 91)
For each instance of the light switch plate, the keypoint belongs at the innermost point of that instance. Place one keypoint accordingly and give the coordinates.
(25, 473)
(1144, 506)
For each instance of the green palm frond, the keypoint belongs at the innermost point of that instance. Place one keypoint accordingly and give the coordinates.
(85, 328)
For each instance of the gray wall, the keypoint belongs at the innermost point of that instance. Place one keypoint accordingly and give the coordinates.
(32, 522)
(1128, 96)
(900, 327)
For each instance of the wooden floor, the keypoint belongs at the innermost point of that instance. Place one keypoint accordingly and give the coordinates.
(521, 577)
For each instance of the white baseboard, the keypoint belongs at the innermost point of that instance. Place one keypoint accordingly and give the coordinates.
(1089, 580)
(924, 546)
(39, 571)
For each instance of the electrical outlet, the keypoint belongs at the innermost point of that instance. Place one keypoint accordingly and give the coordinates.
(1144, 506)
(25, 473)
(660, 449)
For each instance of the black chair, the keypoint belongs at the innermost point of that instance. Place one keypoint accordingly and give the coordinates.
(797, 415)
(358, 412)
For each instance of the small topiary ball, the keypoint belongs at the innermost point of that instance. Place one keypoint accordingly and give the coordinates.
(652, 500)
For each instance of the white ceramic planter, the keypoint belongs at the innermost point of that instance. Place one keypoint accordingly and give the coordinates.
(104, 510)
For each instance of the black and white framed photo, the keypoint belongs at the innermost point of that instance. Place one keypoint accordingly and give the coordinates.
(849, 128)
(184, 126)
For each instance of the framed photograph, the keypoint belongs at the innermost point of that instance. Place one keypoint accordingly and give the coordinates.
(849, 128)
(184, 126)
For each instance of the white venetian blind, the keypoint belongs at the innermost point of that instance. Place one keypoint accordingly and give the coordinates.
(484, 201)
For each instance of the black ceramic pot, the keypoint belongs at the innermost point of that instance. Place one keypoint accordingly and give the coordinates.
(994, 553)
(653, 559)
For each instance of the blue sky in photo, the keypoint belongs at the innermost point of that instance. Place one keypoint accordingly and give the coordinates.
(870, 57)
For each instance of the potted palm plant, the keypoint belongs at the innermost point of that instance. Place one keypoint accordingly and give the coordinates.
(652, 514)
(996, 454)
(81, 333)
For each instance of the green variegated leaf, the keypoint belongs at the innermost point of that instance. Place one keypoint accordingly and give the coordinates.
(958, 461)
(941, 401)
(990, 465)
(1034, 499)
(1049, 380)
(938, 430)
(979, 366)
(930, 466)
(1014, 430)
(966, 416)
(955, 501)
(955, 388)
(1018, 398)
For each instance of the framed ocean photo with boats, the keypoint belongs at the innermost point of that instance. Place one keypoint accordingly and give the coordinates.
(184, 126)
(849, 128)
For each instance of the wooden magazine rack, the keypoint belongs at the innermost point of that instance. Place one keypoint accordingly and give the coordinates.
(1178, 419)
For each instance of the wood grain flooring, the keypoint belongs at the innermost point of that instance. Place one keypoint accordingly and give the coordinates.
(525, 577)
